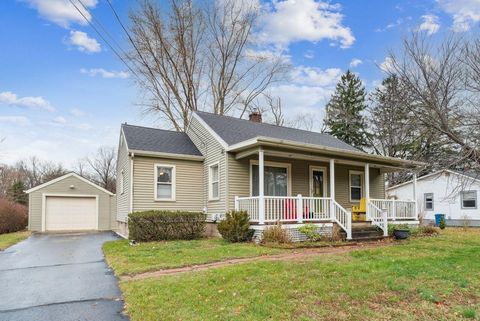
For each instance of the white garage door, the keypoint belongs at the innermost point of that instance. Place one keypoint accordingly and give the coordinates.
(70, 213)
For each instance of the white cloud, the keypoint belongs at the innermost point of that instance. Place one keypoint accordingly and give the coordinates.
(387, 65)
(465, 13)
(309, 54)
(291, 21)
(62, 12)
(312, 76)
(105, 73)
(355, 62)
(83, 42)
(9, 98)
(77, 112)
(430, 24)
(15, 120)
(60, 120)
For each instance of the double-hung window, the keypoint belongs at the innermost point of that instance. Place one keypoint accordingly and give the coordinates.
(356, 186)
(164, 182)
(428, 200)
(214, 192)
(469, 199)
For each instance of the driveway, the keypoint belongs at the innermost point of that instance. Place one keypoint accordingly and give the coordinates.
(59, 277)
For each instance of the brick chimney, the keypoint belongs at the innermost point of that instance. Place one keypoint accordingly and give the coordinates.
(255, 116)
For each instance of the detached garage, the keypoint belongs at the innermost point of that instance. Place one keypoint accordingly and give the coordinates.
(70, 203)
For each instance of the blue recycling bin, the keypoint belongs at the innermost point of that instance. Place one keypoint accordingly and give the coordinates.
(438, 218)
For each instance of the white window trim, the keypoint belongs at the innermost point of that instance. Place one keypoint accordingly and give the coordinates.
(172, 199)
(425, 202)
(476, 200)
(210, 182)
(288, 166)
(325, 178)
(122, 179)
(362, 181)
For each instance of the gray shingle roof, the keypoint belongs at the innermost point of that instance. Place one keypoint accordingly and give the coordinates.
(158, 140)
(234, 130)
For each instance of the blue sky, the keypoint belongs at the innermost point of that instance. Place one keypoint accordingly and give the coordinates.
(63, 93)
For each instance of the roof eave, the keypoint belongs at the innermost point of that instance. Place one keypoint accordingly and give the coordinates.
(261, 140)
(137, 152)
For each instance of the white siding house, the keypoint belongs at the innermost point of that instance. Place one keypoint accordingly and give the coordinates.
(444, 192)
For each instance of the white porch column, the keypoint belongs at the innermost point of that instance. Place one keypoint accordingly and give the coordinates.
(261, 193)
(367, 187)
(332, 187)
(414, 191)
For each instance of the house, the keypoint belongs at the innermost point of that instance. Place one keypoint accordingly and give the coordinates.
(445, 192)
(275, 173)
(70, 203)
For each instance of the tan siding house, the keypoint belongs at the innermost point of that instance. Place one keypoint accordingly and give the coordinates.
(218, 164)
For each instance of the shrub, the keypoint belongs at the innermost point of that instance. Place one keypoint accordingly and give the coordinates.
(427, 230)
(311, 232)
(13, 216)
(165, 225)
(276, 234)
(442, 223)
(236, 227)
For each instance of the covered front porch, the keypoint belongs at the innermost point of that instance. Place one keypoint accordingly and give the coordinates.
(337, 190)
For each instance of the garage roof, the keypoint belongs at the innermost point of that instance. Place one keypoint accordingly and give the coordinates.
(58, 179)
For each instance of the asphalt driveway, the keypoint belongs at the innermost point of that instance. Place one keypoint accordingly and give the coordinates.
(59, 277)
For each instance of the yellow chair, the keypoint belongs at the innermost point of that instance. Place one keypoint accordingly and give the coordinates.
(359, 212)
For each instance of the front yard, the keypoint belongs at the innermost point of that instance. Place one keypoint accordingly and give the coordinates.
(9, 239)
(429, 278)
(126, 259)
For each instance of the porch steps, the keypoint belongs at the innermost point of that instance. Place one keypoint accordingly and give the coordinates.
(364, 231)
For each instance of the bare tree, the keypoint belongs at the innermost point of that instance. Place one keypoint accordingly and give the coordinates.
(435, 79)
(199, 56)
(35, 172)
(103, 168)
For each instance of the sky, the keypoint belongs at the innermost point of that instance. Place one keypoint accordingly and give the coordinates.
(64, 93)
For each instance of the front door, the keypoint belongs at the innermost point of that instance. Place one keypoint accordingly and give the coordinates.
(318, 183)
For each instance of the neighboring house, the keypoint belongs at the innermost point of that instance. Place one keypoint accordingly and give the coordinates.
(275, 173)
(70, 203)
(444, 192)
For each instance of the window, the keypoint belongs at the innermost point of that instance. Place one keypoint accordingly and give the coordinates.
(469, 199)
(356, 183)
(275, 180)
(164, 182)
(428, 200)
(214, 182)
(122, 177)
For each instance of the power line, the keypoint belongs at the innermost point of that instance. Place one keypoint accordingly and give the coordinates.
(101, 36)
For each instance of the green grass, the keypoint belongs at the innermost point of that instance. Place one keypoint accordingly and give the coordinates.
(435, 278)
(10, 239)
(127, 259)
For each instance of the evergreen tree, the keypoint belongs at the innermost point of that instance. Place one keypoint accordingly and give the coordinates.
(344, 115)
(16, 193)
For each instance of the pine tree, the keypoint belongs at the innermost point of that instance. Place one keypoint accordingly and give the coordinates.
(16, 193)
(344, 115)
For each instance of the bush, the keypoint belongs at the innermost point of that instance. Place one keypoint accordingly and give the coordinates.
(442, 223)
(236, 227)
(13, 216)
(276, 234)
(165, 225)
(310, 231)
(427, 230)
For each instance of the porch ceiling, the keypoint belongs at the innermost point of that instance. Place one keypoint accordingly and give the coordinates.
(385, 164)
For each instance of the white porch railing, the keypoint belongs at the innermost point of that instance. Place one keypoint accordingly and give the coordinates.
(378, 217)
(397, 209)
(295, 209)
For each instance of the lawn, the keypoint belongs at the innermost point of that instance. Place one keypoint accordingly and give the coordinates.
(429, 278)
(127, 259)
(10, 239)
